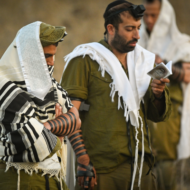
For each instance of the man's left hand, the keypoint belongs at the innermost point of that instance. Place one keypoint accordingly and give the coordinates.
(158, 86)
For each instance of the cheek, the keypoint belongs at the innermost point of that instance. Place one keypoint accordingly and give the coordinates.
(128, 35)
(49, 61)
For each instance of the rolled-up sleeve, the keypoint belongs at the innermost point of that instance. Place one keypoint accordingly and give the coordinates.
(76, 76)
(152, 110)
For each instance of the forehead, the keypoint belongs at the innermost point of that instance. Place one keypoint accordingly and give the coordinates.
(50, 49)
(128, 19)
(152, 8)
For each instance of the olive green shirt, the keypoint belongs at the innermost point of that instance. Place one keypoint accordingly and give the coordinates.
(166, 134)
(104, 127)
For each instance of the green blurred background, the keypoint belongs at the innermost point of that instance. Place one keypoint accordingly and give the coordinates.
(82, 18)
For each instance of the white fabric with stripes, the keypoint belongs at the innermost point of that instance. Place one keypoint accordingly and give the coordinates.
(24, 141)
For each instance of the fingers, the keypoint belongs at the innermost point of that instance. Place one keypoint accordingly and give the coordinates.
(165, 80)
(158, 59)
(161, 81)
(93, 180)
(58, 110)
(158, 86)
(86, 182)
(157, 92)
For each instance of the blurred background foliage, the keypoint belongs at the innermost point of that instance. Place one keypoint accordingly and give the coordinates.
(82, 18)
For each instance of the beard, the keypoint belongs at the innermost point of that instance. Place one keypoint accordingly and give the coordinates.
(121, 45)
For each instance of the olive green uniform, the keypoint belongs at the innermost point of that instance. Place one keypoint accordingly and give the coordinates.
(104, 127)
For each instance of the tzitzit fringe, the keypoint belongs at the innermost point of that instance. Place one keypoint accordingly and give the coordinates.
(85, 50)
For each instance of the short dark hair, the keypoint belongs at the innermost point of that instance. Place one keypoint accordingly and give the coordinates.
(116, 19)
(151, 1)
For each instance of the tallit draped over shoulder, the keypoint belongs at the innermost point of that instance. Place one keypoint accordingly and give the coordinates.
(23, 137)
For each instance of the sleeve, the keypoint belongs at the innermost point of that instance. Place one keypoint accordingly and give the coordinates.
(76, 76)
(23, 138)
(151, 109)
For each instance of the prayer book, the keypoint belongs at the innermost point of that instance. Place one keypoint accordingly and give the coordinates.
(161, 71)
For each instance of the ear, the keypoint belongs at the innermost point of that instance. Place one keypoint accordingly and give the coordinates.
(111, 29)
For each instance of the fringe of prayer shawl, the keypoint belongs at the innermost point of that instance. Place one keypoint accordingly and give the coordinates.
(33, 167)
(78, 51)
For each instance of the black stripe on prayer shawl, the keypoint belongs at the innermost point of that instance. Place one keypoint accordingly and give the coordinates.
(16, 139)
(5, 87)
(33, 130)
(19, 142)
(52, 106)
(6, 159)
(66, 104)
(28, 112)
(13, 108)
(29, 136)
(6, 150)
(35, 154)
(47, 141)
(49, 138)
(19, 82)
(29, 156)
(7, 94)
(9, 150)
(17, 158)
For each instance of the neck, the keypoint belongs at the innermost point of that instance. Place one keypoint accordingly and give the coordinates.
(122, 57)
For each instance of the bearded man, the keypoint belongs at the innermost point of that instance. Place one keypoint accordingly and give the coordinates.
(110, 78)
(35, 112)
(171, 139)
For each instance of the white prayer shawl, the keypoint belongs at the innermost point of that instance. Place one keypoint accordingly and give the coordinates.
(132, 91)
(165, 39)
(23, 66)
(167, 42)
(33, 64)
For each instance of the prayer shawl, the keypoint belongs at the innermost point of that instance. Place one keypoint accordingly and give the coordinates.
(24, 141)
(132, 91)
(167, 42)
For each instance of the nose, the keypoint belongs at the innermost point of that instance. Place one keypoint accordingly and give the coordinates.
(50, 61)
(136, 34)
(148, 19)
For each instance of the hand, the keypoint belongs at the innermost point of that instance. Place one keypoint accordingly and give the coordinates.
(186, 68)
(61, 138)
(158, 86)
(58, 110)
(85, 160)
(59, 125)
(158, 60)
